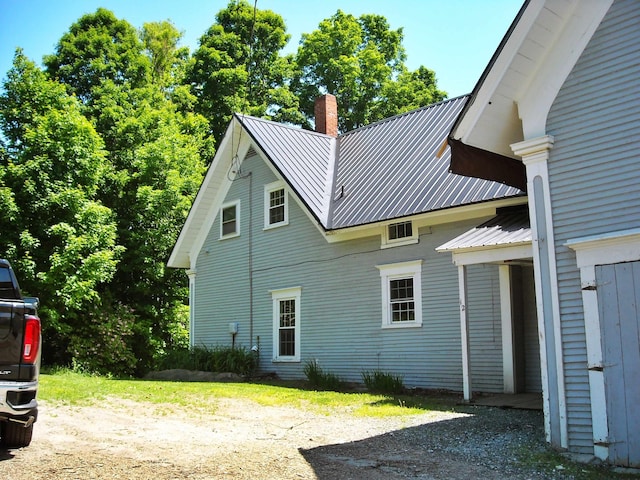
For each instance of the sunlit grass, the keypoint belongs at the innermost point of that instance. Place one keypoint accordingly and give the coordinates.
(70, 388)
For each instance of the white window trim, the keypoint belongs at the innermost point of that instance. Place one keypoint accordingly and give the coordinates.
(397, 242)
(293, 293)
(236, 204)
(277, 185)
(395, 271)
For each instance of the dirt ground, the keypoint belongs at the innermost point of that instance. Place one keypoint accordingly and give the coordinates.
(242, 440)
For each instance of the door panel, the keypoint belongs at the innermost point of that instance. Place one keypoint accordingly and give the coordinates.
(618, 296)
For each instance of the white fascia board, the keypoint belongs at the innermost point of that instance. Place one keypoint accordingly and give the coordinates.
(208, 198)
(482, 99)
(427, 219)
(492, 254)
(536, 98)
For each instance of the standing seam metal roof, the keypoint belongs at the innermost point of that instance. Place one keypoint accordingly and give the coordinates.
(386, 170)
(503, 229)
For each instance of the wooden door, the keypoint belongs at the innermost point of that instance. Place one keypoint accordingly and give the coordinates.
(618, 300)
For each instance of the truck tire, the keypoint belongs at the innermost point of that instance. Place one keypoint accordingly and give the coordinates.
(15, 435)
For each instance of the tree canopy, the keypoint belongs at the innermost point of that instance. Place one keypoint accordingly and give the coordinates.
(361, 62)
(103, 151)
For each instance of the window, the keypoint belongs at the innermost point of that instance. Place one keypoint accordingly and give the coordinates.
(230, 220)
(400, 233)
(275, 205)
(401, 294)
(286, 325)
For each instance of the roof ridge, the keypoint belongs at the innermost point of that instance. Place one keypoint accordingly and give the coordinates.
(399, 115)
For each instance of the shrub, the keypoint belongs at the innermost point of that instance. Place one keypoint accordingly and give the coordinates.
(381, 382)
(217, 359)
(320, 379)
(102, 345)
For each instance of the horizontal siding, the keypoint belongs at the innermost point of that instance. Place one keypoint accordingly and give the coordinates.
(341, 302)
(594, 178)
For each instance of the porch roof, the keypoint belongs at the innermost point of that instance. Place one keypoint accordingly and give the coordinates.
(508, 228)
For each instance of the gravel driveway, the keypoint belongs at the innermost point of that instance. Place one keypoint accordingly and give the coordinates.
(243, 440)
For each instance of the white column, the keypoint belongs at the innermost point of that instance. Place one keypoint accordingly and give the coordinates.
(464, 332)
(506, 315)
(192, 304)
(535, 155)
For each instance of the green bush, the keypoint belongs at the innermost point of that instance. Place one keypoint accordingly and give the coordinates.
(217, 359)
(381, 382)
(320, 379)
(102, 345)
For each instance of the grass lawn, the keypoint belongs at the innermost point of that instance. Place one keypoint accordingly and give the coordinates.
(66, 387)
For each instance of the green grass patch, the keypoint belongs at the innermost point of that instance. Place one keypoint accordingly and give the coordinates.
(71, 388)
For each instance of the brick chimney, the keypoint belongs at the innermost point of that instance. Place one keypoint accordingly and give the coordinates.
(326, 112)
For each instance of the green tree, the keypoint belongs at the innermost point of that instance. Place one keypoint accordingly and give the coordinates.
(58, 235)
(361, 62)
(238, 68)
(168, 60)
(157, 150)
(96, 48)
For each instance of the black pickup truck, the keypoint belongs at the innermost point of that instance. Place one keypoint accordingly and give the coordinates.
(20, 342)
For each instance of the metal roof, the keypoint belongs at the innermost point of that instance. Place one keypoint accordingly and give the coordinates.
(391, 169)
(387, 170)
(304, 158)
(508, 228)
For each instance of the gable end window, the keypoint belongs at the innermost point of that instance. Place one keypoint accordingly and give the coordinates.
(230, 220)
(399, 233)
(276, 211)
(401, 285)
(286, 324)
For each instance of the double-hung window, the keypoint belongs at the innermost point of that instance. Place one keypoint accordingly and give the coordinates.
(286, 324)
(276, 212)
(230, 219)
(401, 294)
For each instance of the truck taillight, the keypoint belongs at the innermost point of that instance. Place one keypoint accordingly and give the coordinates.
(31, 339)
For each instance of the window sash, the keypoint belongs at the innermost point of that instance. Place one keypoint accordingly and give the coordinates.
(276, 206)
(402, 306)
(286, 324)
(401, 294)
(229, 220)
(400, 230)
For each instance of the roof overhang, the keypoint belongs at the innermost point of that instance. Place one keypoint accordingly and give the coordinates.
(504, 238)
(512, 99)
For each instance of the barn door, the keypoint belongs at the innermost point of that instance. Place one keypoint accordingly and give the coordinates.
(619, 300)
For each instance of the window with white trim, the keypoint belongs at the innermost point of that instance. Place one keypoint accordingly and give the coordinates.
(276, 211)
(230, 220)
(286, 324)
(401, 285)
(399, 233)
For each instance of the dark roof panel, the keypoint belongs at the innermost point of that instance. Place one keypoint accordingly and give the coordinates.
(383, 171)
(390, 169)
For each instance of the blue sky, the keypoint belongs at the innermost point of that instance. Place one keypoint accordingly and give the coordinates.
(455, 38)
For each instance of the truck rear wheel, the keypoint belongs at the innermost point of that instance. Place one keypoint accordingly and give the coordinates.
(15, 435)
